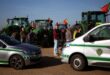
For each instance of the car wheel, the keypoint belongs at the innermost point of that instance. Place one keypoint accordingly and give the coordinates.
(16, 62)
(78, 62)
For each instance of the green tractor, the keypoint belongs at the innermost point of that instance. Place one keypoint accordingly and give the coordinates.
(90, 19)
(43, 30)
(14, 25)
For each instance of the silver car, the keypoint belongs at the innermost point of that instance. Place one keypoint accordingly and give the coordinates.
(17, 54)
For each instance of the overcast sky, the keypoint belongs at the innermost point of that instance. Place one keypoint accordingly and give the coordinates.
(57, 10)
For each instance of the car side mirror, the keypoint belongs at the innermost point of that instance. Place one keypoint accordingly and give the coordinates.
(89, 38)
(86, 39)
(4, 46)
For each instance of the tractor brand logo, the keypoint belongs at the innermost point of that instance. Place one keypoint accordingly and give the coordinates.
(99, 51)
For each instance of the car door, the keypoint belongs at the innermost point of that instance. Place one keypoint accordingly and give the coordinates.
(98, 46)
(3, 53)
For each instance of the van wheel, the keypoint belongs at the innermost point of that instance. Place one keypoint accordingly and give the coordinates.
(16, 62)
(78, 62)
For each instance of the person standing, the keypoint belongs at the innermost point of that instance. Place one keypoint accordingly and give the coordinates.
(55, 37)
(68, 35)
(76, 33)
(22, 35)
(13, 35)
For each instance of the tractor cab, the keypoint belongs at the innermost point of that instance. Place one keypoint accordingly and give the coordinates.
(91, 19)
(97, 16)
(18, 21)
(15, 24)
(44, 24)
(43, 31)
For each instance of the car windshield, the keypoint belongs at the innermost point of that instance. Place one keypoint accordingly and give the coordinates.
(8, 40)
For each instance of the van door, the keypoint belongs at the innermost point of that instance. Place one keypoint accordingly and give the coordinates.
(98, 44)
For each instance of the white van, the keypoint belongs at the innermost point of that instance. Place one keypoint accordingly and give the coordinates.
(92, 48)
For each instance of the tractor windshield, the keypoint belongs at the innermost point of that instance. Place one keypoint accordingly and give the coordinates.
(19, 21)
(98, 18)
(43, 24)
(101, 18)
(94, 16)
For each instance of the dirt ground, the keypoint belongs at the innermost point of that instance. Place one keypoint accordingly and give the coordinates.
(51, 65)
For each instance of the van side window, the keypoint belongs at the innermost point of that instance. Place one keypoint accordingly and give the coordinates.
(105, 33)
(102, 33)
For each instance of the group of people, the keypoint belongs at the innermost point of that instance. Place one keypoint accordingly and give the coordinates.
(22, 35)
(34, 36)
(62, 36)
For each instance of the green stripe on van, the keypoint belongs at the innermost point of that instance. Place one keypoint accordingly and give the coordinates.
(82, 45)
(65, 56)
(3, 62)
(98, 59)
(90, 58)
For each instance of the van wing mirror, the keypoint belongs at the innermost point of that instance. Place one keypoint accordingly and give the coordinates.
(86, 39)
(89, 38)
(4, 46)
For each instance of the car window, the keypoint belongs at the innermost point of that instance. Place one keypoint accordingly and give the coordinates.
(102, 33)
(105, 33)
(96, 31)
